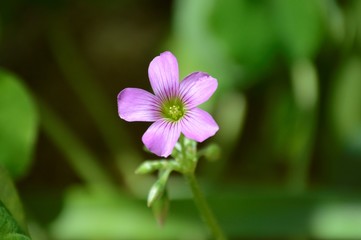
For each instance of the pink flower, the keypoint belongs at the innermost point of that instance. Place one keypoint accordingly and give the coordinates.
(172, 108)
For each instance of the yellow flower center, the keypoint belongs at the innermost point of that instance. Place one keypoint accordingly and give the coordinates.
(173, 109)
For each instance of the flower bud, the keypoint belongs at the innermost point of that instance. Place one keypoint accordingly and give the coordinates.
(150, 166)
(158, 188)
(160, 208)
(212, 152)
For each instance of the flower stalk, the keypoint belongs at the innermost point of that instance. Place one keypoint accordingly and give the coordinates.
(189, 162)
(203, 208)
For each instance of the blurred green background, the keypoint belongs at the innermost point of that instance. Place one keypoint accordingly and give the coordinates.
(288, 106)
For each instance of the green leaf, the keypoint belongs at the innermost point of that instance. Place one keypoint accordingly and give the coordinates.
(120, 217)
(12, 219)
(9, 229)
(256, 214)
(18, 124)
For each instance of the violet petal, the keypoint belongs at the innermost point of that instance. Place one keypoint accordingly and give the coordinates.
(198, 125)
(197, 88)
(164, 75)
(161, 137)
(136, 104)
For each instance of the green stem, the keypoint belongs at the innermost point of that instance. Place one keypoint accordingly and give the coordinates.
(203, 207)
(188, 160)
(91, 93)
(79, 77)
(304, 79)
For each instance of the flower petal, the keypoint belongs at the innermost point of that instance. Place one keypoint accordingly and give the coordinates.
(136, 104)
(197, 88)
(161, 137)
(164, 76)
(198, 125)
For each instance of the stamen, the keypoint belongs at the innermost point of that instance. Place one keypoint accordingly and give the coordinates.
(173, 109)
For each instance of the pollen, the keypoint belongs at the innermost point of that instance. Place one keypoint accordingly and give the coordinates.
(173, 110)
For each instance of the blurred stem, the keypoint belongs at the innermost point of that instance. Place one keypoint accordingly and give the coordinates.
(82, 82)
(102, 110)
(305, 89)
(301, 161)
(231, 108)
(203, 207)
(79, 157)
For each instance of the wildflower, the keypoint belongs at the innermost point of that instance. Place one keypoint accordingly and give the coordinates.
(172, 108)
